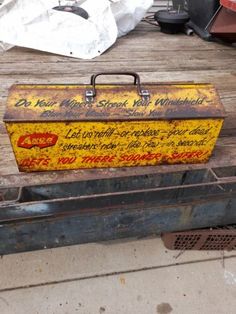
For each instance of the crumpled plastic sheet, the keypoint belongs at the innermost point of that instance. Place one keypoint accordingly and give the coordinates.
(128, 13)
(35, 24)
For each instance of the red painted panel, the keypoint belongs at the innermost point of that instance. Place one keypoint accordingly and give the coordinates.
(229, 4)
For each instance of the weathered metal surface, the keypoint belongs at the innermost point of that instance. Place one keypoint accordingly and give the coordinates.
(57, 145)
(224, 25)
(112, 102)
(97, 210)
(56, 127)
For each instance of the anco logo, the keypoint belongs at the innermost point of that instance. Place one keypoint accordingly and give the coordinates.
(40, 140)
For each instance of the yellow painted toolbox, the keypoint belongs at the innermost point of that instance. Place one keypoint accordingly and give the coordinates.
(53, 127)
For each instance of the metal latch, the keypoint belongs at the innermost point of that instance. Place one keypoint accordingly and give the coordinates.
(144, 93)
(89, 95)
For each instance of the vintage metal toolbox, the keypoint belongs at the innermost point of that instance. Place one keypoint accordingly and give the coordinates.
(54, 127)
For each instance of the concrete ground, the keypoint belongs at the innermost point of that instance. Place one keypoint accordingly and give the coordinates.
(138, 276)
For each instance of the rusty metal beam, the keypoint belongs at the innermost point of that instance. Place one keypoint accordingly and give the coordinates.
(96, 210)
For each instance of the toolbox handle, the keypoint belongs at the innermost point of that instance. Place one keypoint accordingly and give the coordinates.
(90, 94)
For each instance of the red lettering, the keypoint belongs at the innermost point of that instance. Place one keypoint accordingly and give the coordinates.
(187, 155)
(66, 160)
(123, 158)
(32, 162)
(139, 157)
(97, 159)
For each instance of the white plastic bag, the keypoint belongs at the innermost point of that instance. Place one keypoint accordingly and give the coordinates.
(34, 24)
(128, 13)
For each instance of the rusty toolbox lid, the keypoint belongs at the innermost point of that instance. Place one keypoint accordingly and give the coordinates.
(112, 102)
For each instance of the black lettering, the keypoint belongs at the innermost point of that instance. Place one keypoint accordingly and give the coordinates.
(108, 104)
(71, 134)
(74, 104)
(161, 101)
(23, 102)
(42, 103)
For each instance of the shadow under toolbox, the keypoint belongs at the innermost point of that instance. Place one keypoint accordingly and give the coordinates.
(54, 127)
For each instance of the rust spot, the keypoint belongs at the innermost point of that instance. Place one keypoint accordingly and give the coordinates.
(164, 308)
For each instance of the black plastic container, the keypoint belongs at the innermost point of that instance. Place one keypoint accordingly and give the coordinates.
(171, 22)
